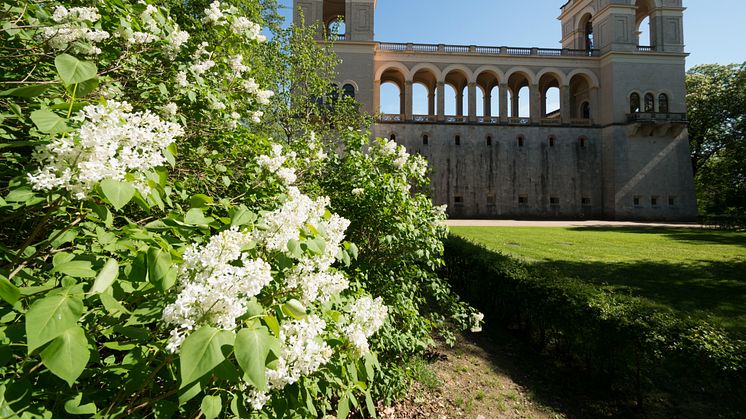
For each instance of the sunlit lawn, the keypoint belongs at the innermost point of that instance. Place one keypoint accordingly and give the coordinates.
(696, 272)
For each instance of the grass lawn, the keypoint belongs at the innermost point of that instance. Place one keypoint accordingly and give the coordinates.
(693, 271)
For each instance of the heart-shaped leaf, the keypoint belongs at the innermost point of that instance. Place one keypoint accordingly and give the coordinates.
(72, 70)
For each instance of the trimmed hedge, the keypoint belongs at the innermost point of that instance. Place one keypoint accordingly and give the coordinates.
(627, 341)
(735, 222)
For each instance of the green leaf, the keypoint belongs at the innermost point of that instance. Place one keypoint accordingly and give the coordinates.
(75, 269)
(72, 70)
(295, 309)
(242, 216)
(343, 410)
(48, 122)
(201, 352)
(273, 324)
(200, 201)
(160, 268)
(118, 193)
(252, 348)
(196, 217)
(211, 406)
(370, 405)
(84, 88)
(111, 304)
(106, 277)
(73, 406)
(20, 195)
(27, 91)
(8, 291)
(67, 355)
(51, 316)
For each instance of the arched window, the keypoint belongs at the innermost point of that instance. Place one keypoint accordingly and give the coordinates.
(649, 102)
(585, 110)
(392, 137)
(634, 103)
(663, 103)
(349, 90)
(589, 36)
(337, 28)
(520, 141)
(552, 139)
(582, 141)
(425, 140)
(489, 140)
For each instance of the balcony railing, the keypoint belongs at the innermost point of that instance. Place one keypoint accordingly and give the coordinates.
(388, 117)
(519, 121)
(645, 48)
(582, 122)
(424, 118)
(656, 117)
(488, 120)
(485, 50)
(456, 119)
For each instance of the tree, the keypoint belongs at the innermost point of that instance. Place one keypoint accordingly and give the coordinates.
(716, 102)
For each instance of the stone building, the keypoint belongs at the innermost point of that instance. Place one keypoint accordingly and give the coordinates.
(617, 147)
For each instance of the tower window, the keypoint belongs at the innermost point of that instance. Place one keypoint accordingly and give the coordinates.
(349, 90)
(654, 201)
(458, 140)
(586, 202)
(634, 103)
(637, 201)
(392, 137)
(551, 141)
(425, 140)
(585, 110)
(582, 141)
(663, 103)
(491, 199)
(458, 200)
(671, 201)
(649, 102)
(489, 140)
(554, 201)
(520, 141)
(523, 200)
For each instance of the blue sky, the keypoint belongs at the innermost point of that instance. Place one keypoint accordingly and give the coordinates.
(714, 30)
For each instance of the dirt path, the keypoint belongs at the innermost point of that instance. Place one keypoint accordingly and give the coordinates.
(587, 223)
(470, 382)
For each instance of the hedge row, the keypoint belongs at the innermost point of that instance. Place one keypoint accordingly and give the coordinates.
(622, 339)
(724, 222)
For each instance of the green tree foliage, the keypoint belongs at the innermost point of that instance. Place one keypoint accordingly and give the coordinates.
(716, 102)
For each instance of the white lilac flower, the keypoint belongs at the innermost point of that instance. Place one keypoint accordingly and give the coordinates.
(251, 86)
(477, 319)
(303, 351)
(401, 158)
(137, 38)
(285, 223)
(202, 66)
(388, 147)
(245, 27)
(112, 142)
(263, 96)
(274, 160)
(237, 66)
(256, 116)
(95, 35)
(175, 41)
(217, 105)
(213, 14)
(181, 79)
(75, 14)
(358, 191)
(216, 282)
(287, 175)
(367, 316)
(171, 108)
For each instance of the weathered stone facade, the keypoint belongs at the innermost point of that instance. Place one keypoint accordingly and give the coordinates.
(617, 147)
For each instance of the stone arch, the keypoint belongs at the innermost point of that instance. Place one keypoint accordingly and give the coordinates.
(353, 83)
(590, 76)
(457, 67)
(644, 11)
(525, 70)
(397, 74)
(518, 79)
(488, 78)
(585, 31)
(427, 76)
(648, 101)
(391, 66)
(550, 79)
(581, 96)
(634, 104)
(458, 77)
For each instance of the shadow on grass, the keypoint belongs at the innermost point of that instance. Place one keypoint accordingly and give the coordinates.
(691, 235)
(699, 289)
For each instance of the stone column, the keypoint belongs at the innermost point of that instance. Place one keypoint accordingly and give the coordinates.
(376, 97)
(431, 101)
(408, 100)
(487, 106)
(460, 102)
(534, 105)
(441, 101)
(472, 102)
(515, 100)
(503, 92)
(565, 103)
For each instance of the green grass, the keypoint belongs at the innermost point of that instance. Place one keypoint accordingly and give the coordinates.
(695, 272)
